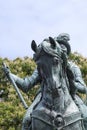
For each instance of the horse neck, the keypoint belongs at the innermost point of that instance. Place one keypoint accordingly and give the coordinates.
(66, 89)
(56, 91)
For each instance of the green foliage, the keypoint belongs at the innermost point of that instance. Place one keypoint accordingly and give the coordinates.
(11, 110)
(81, 62)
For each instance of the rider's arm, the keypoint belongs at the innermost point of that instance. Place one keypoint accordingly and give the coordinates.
(28, 82)
(79, 83)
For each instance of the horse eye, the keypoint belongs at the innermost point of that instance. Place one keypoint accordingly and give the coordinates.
(56, 60)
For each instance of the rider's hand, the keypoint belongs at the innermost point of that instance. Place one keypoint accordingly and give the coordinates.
(6, 69)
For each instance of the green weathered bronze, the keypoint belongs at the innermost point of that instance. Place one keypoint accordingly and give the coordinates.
(56, 106)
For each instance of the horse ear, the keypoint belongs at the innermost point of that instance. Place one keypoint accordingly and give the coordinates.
(34, 46)
(53, 43)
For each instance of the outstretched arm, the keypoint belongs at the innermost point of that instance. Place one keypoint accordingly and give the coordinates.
(28, 82)
(24, 84)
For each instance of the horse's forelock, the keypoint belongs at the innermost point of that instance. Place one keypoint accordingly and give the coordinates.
(47, 47)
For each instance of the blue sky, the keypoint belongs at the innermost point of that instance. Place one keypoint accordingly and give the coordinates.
(21, 21)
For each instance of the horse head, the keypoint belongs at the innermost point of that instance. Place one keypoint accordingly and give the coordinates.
(49, 59)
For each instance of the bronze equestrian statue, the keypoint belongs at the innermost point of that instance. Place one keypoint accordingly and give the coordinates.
(57, 84)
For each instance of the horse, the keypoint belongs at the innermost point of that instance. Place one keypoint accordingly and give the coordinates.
(56, 109)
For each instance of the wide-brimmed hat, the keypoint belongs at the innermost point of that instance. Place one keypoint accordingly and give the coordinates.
(64, 38)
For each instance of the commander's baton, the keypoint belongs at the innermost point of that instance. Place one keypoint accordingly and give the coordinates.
(15, 87)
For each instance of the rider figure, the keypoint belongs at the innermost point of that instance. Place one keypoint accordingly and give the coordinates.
(73, 71)
(73, 74)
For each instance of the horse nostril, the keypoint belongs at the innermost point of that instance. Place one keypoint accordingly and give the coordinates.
(59, 87)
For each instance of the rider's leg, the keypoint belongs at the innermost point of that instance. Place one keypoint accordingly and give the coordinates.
(84, 114)
(27, 118)
(83, 109)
